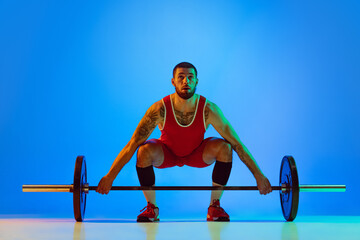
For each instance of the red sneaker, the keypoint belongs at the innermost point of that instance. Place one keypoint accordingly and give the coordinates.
(151, 214)
(217, 213)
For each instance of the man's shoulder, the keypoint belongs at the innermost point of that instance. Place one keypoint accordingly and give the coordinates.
(210, 106)
(212, 111)
(157, 105)
(158, 108)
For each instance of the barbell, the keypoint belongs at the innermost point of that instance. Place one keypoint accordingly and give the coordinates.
(288, 186)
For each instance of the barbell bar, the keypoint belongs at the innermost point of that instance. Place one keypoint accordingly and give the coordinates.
(86, 188)
(288, 186)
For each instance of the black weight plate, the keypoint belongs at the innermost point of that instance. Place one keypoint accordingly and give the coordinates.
(79, 197)
(290, 199)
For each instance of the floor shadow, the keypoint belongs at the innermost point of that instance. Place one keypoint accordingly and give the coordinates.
(110, 221)
(176, 221)
(259, 221)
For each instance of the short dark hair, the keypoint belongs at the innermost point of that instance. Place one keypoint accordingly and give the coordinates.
(184, 65)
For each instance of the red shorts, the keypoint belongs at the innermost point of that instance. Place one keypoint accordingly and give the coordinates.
(194, 159)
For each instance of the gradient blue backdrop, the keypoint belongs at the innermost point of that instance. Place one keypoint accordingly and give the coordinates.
(76, 78)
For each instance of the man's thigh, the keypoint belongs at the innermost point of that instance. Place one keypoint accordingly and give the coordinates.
(211, 150)
(204, 156)
(154, 150)
(165, 158)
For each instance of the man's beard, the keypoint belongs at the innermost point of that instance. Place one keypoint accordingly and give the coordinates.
(185, 95)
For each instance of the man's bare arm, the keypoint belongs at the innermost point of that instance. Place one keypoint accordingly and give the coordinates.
(153, 116)
(144, 129)
(215, 117)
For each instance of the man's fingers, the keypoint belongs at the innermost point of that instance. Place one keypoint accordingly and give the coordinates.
(265, 190)
(102, 190)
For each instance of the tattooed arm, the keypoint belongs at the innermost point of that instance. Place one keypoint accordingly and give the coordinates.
(153, 116)
(215, 117)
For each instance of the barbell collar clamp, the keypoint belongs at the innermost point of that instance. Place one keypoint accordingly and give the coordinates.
(86, 188)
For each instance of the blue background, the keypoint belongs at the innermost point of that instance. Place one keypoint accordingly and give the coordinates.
(76, 78)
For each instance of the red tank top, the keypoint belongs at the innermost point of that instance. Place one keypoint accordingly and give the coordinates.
(183, 140)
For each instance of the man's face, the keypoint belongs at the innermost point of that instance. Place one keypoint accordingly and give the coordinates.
(185, 82)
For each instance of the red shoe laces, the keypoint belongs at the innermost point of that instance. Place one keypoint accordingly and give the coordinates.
(148, 209)
(215, 203)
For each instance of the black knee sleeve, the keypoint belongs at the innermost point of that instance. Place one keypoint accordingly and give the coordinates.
(221, 172)
(146, 176)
